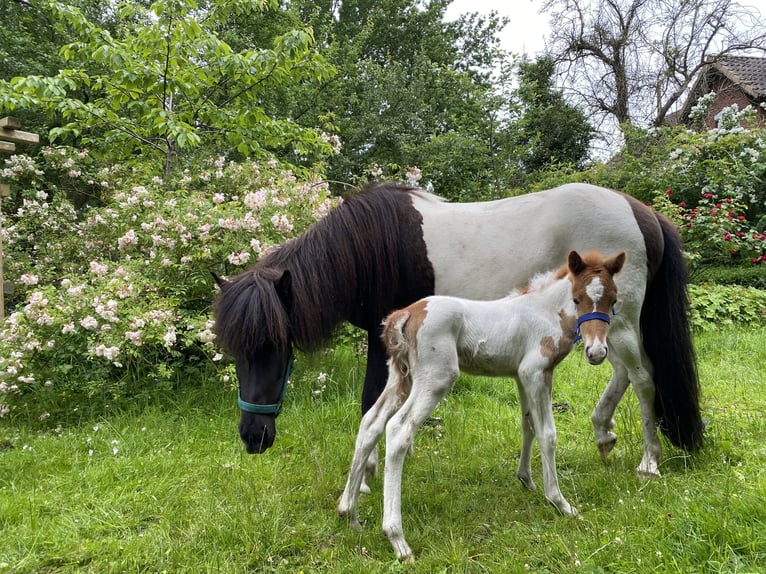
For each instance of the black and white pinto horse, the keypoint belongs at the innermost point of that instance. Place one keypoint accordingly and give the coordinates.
(523, 335)
(391, 245)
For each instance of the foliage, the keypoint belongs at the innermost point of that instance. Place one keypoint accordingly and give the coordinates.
(163, 82)
(115, 300)
(411, 90)
(549, 131)
(715, 306)
(750, 276)
(169, 488)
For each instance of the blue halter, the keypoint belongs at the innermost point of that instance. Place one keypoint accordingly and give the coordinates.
(272, 409)
(590, 317)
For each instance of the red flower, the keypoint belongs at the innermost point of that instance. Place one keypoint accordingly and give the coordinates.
(713, 212)
(708, 196)
(741, 218)
(668, 192)
(682, 204)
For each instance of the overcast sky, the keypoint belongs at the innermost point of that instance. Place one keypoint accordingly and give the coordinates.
(526, 31)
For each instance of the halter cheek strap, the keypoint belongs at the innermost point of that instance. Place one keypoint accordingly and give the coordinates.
(590, 317)
(272, 409)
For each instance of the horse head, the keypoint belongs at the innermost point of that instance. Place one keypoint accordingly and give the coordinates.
(252, 324)
(594, 294)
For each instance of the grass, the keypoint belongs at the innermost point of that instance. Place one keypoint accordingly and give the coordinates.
(170, 489)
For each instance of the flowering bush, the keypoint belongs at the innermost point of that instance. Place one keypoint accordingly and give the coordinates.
(113, 298)
(715, 229)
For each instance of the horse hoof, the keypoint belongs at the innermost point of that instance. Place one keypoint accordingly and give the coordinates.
(647, 475)
(364, 487)
(605, 447)
(526, 481)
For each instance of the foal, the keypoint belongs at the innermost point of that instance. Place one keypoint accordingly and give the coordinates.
(524, 335)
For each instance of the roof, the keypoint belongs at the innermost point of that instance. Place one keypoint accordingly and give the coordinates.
(748, 72)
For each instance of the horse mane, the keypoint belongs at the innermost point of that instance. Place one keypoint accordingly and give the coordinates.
(345, 266)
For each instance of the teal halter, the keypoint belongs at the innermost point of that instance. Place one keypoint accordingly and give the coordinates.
(272, 409)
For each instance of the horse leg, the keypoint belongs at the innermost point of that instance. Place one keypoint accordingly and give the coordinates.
(633, 366)
(537, 385)
(370, 430)
(400, 433)
(524, 472)
(374, 382)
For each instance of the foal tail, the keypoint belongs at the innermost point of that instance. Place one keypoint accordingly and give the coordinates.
(668, 343)
(400, 349)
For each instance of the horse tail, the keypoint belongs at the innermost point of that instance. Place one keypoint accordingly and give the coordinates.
(667, 340)
(400, 349)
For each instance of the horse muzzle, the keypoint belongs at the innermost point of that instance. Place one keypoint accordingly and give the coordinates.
(257, 436)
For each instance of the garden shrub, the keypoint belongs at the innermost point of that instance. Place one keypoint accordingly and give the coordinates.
(715, 306)
(115, 299)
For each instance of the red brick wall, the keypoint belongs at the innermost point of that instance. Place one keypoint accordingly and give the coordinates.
(728, 94)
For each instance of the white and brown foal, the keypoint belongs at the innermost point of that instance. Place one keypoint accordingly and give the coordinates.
(524, 335)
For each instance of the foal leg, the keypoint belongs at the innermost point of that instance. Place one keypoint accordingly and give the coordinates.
(400, 433)
(537, 384)
(370, 430)
(524, 472)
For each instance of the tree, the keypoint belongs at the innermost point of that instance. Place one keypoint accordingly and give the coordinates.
(411, 90)
(163, 81)
(632, 61)
(550, 131)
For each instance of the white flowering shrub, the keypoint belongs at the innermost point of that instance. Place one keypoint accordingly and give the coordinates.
(114, 299)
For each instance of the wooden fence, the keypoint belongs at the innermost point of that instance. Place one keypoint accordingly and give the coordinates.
(10, 135)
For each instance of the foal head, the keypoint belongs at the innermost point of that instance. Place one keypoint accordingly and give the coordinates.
(594, 294)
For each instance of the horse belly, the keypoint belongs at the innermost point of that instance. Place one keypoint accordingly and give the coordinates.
(484, 250)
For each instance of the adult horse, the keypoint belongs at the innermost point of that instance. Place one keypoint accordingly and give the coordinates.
(391, 245)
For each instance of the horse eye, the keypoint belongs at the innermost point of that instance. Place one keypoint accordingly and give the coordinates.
(576, 301)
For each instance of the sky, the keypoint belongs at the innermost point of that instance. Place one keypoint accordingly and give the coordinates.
(524, 33)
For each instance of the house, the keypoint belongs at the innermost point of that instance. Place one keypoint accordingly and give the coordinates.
(739, 80)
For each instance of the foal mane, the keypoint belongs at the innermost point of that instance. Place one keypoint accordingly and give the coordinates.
(593, 261)
(347, 265)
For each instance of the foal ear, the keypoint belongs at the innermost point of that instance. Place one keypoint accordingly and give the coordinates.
(284, 287)
(614, 265)
(575, 262)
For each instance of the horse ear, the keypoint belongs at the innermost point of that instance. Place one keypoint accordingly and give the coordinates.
(614, 265)
(220, 281)
(575, 262)
(284, 287)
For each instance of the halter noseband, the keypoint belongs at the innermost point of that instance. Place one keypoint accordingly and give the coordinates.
(596, 315)
(272, 409)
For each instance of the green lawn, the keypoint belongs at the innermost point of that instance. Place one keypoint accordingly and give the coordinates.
(171, 489)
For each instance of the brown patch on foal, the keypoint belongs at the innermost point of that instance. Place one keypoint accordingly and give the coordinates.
(556, 349)
(402, 348)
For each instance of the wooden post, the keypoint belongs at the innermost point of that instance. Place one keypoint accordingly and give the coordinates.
(10, 135)
(5, 191)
